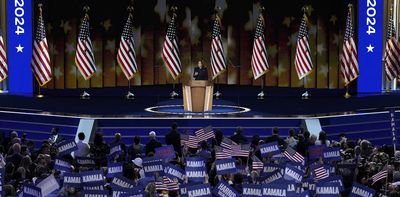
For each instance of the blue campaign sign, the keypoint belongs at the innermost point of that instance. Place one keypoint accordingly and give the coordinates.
(273, 176)
(172, 171)
(252, 190)
(223, 189)
(113, 169)
(370, 45)
(293, 174)
(62, 165)
(292, 187)
(196, 174)
(133, 194)
(315, 152)
(95, 193)
(271, 167)
(183, 190)
(199, 190)
(226, 166)
(119, 191)
(327, 189)
(122, 182)
(19, 23)
(359, 190)
(31, 191)
(91, 177)
(273, 190)
(269, 149)
(66, 147)
(72, 180)
(153, 165)
(85, 161)
(335, 179)
(332, 154)
(115, 149)
(165, 152)
(195, 162)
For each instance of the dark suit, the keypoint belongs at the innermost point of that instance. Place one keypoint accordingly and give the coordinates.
(152, 145)
(200, 74)
(174, 138)
(239, 139)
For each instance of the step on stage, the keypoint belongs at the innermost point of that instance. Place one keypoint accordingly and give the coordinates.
(154, 101)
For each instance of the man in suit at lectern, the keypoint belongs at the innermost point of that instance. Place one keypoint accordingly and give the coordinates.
(200, 72)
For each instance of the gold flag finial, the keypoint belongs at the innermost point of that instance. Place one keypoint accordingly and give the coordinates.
(40, 5)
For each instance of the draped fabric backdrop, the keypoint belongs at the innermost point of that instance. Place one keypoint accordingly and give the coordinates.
(238, 19)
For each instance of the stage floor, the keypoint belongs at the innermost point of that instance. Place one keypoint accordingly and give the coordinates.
(278, 102)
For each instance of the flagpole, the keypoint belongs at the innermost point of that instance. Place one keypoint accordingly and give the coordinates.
(39, 95)
(217, 94)
(347, 95)
(261, 94)
(85, 95)
(305, 95)
(129, 95)
(173, 94)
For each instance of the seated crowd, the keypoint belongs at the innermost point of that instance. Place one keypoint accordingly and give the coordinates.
(359, 161)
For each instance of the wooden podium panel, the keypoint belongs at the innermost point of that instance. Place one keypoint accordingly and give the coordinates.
(197, 96)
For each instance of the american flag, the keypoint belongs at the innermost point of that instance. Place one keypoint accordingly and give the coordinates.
(227, 143)
(392, 52)
(348, 58)
(166, 184)
(241, 150)
(205, 133)
(189, 140)
(218, 64)
(40, 54)
(257, 164)
(170, 52)
(259, 63)
(293, 155)
(3, 60)
(379, 176)
(221, 153)
(84, 58)
(303, 60)
(126, 52)
(321, 173)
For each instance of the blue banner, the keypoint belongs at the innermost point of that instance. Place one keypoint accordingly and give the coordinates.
(252, 190)
(115, 149)
(131, 194)
(122, 182)
(292, 173)
(152, 165)
(332, 154)
(172, 171)
(315, 152)
(66, 147)
(93, 186)
(62, 165)
(293, 188)
(199, 190)
(327, 189)
(359, 190)
(370, 45)
(195, 162)
(269, 149)
(72, 180)
(271, 167)
(309, 183)
(273, 176)
(223, 189)
(119, 191)
(393, 128)
(85, 161)
(272, 190)
(31, 191)
(196, 174)
(114, 169)
(335, 179)
(19, 25)
(95, 193)
(226, 166)
(183, 190)
(165, 152)
(91, 177)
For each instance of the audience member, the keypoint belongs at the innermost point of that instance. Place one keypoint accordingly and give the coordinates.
(174, 138)
(83, 147)
(238, 137)
(152, 144)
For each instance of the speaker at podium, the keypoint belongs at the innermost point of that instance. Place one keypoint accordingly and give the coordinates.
(198, 95)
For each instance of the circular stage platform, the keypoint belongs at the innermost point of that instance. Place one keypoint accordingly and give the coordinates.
(179, 110)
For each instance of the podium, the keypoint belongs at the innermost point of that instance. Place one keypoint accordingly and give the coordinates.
(198, 95)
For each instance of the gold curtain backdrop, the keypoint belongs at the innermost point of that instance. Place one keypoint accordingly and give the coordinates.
(238, 18)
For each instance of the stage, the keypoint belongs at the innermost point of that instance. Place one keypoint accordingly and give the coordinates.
(237, 101)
